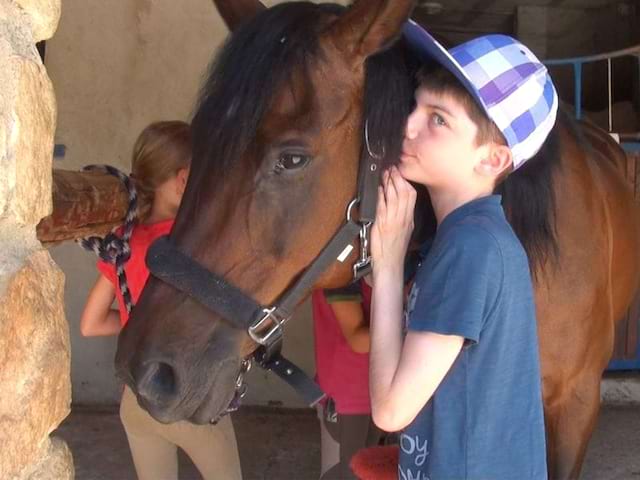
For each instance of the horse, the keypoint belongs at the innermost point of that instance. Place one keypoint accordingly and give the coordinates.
(288, 111)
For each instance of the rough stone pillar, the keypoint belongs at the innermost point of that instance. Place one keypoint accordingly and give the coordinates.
(35, 391)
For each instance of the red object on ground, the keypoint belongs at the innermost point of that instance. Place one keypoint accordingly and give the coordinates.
(376, 463)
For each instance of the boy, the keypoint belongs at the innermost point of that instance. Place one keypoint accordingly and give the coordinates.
(464, 383)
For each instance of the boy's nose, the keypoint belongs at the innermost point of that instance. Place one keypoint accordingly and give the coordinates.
(413, 125)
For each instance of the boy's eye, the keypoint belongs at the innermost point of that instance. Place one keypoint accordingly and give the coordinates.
(438, 120)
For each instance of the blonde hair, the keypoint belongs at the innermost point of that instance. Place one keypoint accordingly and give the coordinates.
(161, 150)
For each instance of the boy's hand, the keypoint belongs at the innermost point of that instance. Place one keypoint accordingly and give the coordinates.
(392, 229)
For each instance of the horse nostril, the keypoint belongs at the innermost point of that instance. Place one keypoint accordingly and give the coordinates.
(156, 381)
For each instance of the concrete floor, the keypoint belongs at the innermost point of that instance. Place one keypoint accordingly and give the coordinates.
(284, 444)
(273, 443)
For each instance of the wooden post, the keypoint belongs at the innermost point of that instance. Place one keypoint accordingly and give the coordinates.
(84, 203)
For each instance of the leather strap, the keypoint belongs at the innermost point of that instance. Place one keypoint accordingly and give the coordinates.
(180, 271)
(338, 245)
(172, 266)
(309, 390)
(368, 190)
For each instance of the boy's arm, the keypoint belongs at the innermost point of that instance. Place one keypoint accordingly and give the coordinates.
(447, 310)
(98, 318)
(390, 366)
(403, 377)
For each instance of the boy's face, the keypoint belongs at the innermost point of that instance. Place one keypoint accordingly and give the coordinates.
(439, 148)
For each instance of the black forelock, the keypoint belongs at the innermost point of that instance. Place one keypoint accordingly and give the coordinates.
(245, 77)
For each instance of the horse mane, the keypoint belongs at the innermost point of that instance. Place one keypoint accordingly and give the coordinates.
(389, 99)
(252, 66)
(529, 200)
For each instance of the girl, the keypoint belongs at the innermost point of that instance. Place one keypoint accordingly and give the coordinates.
(341, 334)
(160, 167)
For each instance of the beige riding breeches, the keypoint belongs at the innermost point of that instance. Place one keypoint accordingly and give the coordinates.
(154, 446)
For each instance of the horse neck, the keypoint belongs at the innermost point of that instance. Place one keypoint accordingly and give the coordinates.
(603, 143)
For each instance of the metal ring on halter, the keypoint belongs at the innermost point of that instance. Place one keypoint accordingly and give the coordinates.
(368, 144)
(350, 207)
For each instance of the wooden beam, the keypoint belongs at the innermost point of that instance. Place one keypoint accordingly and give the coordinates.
(84, 203)
(452, 27)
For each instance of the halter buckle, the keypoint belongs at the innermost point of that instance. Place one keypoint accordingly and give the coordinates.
(272, 334)
(363, 266)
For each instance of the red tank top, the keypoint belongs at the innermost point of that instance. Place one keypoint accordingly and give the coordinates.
(135, 268)
(341, 373)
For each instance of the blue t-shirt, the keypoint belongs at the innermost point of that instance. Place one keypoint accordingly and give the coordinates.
(485, 420)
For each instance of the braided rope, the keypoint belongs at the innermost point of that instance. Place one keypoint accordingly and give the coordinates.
(112, 248)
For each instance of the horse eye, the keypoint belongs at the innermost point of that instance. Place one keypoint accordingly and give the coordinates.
(292, 161)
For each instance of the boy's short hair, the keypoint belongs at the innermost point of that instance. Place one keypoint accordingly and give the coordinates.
(505, 79)
(440, 81)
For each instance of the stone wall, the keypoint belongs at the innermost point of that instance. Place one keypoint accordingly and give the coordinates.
(35, 389)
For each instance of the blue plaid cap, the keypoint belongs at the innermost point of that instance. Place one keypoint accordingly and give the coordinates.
(506, 79)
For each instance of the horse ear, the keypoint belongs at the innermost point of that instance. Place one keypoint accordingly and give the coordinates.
(369, 26)
(236, 12)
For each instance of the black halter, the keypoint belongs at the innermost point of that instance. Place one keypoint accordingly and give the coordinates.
(264, 324)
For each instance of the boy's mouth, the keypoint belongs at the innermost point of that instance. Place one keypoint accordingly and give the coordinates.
(405, 155)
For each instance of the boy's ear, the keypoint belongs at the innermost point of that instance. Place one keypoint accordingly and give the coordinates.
(497, 160)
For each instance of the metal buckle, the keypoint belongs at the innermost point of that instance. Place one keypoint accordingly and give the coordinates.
(363, 265)
(265, 338)
(361, 269)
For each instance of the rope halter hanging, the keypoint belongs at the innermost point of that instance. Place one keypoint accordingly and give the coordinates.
(113, 248)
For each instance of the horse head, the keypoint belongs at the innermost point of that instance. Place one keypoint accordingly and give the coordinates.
(278, 135)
